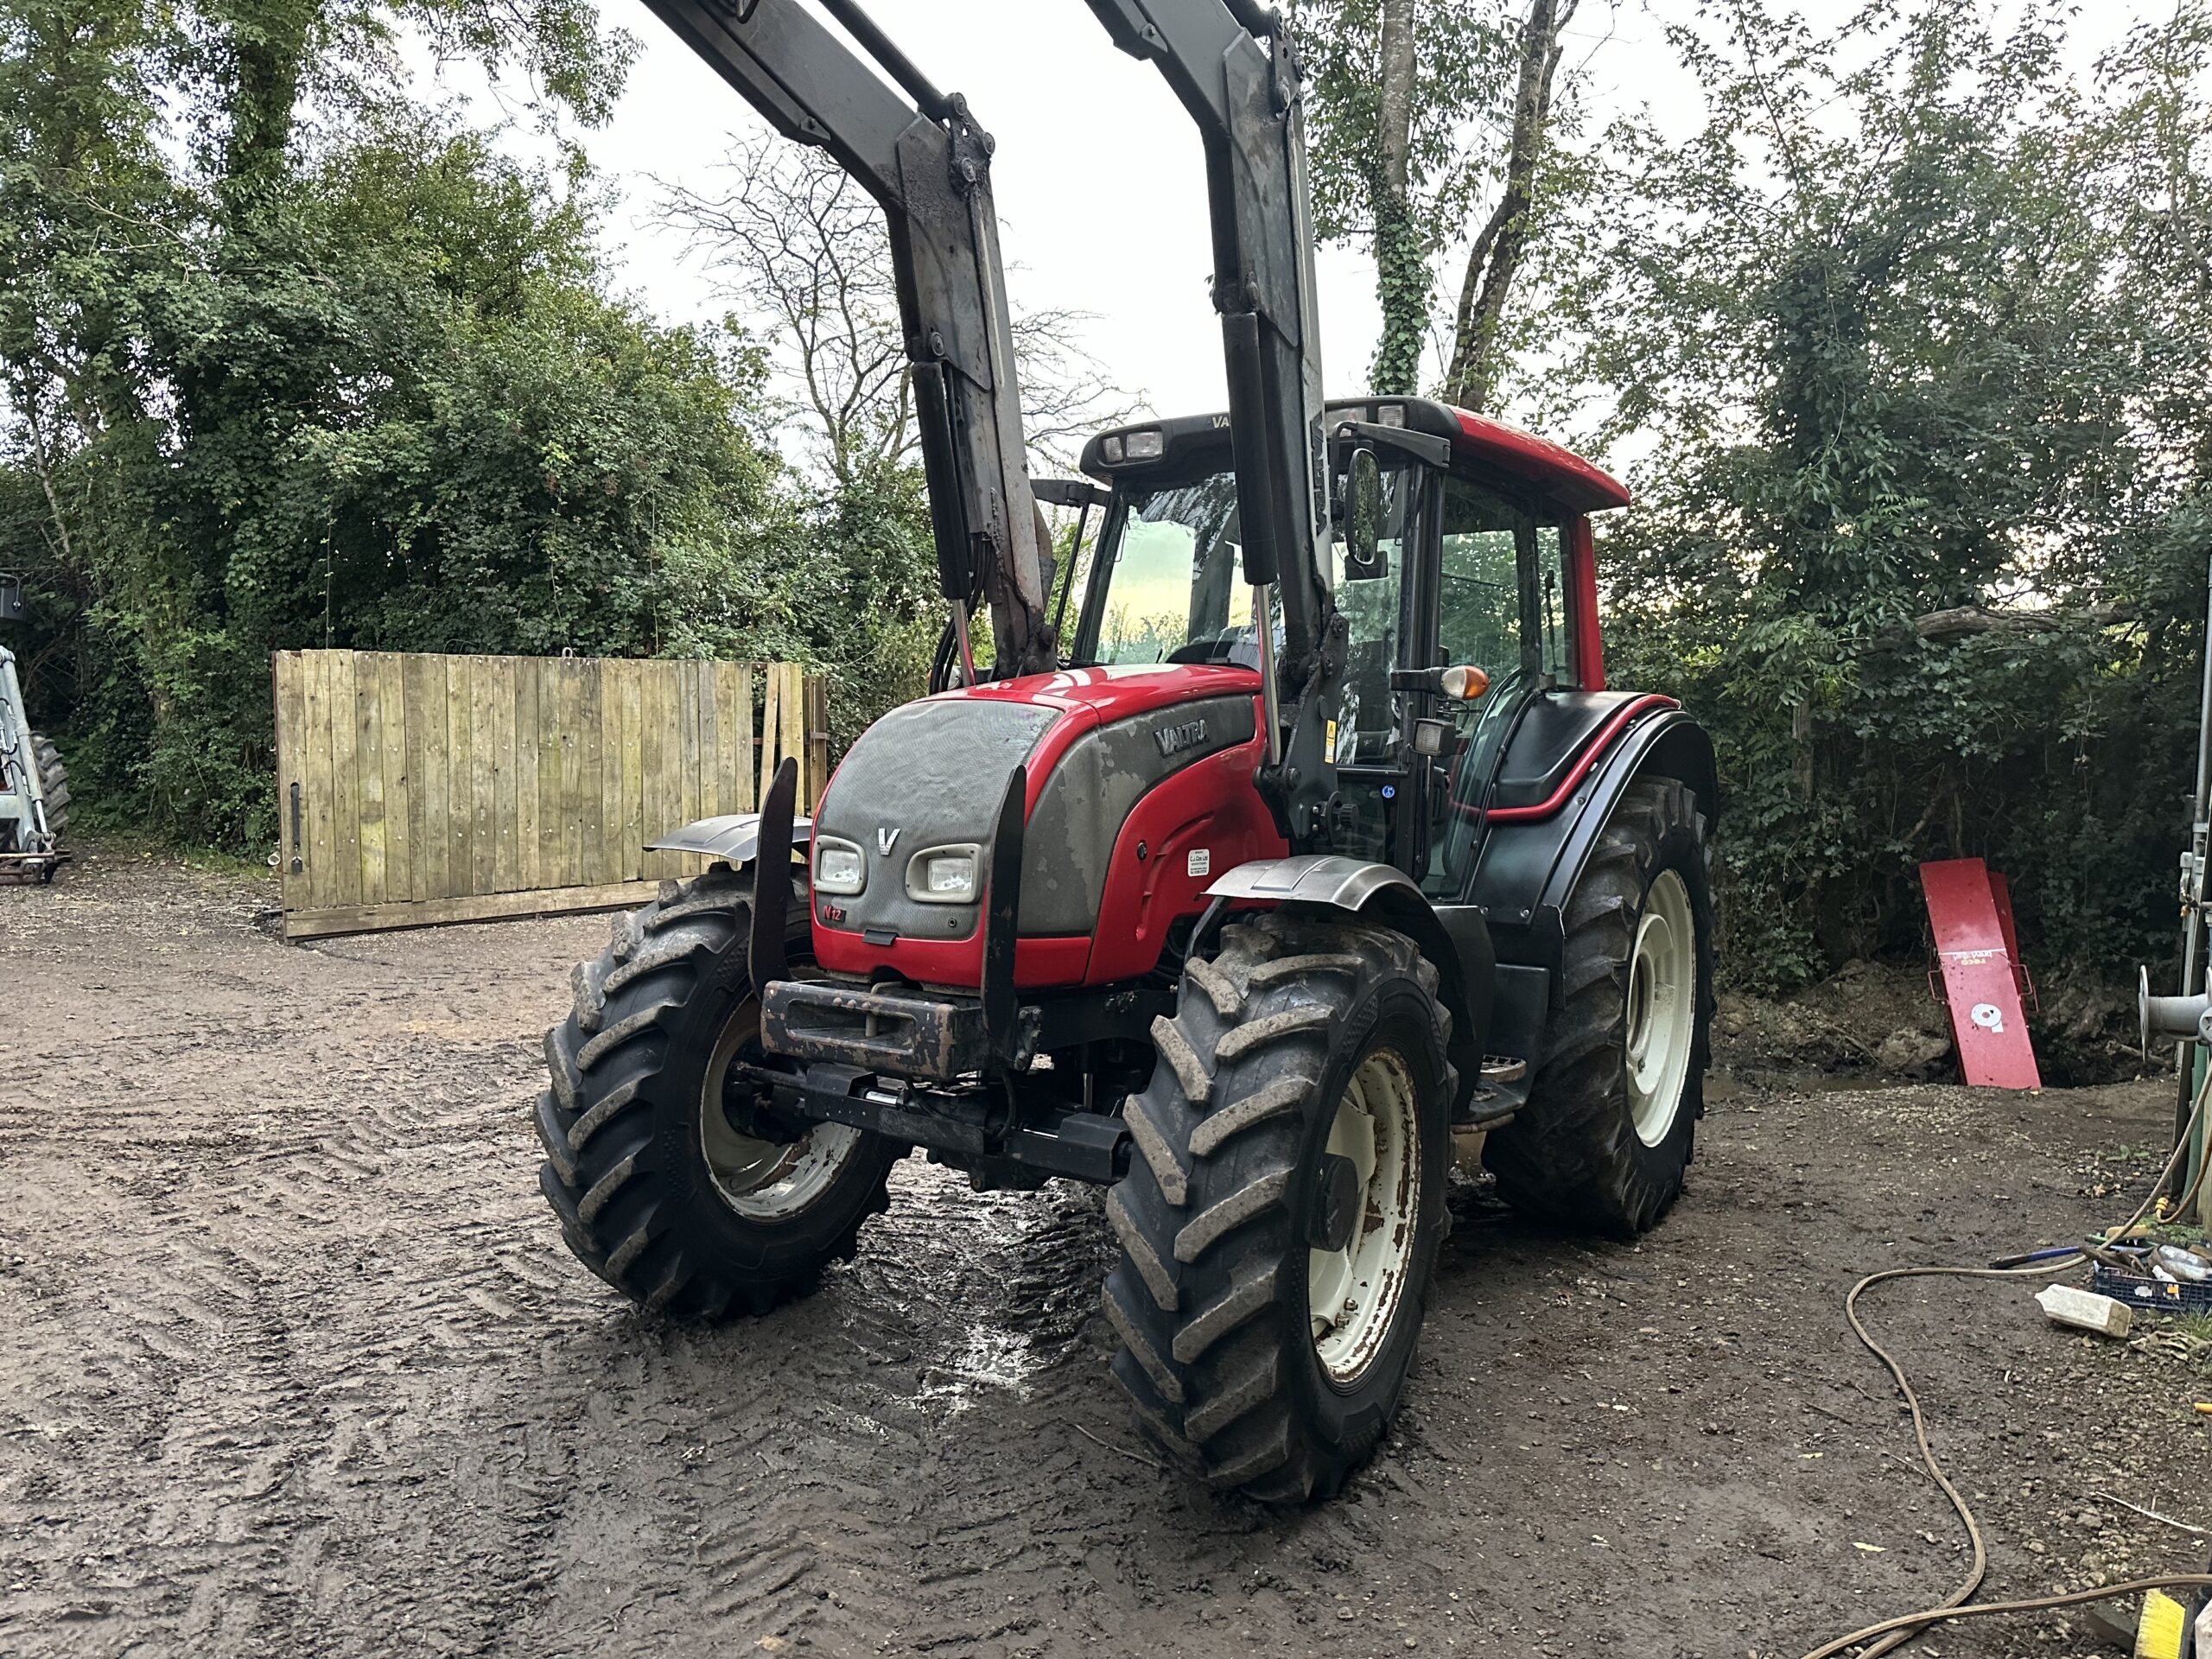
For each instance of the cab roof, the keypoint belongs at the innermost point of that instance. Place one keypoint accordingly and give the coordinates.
(1190, 443)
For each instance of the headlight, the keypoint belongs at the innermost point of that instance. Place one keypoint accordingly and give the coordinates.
(838, 867)
(942, 875)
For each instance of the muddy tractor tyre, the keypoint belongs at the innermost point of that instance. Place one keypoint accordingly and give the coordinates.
(657, 1191)
(53, 784)
(1606, 1134)
(1280, 1221)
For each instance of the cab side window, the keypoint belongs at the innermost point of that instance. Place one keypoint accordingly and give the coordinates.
(1552, 609)
(1503, 600)
(1484, 538)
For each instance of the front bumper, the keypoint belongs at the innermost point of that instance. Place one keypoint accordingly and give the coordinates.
(976, 1129)
(937, 1040)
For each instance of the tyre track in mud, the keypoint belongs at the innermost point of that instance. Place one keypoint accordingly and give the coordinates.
(282, 1261)
(296, 1363)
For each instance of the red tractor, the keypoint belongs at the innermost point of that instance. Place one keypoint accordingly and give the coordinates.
(1312, 839)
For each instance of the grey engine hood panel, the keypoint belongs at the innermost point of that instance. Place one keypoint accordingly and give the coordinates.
(927, 774)
(933, 773)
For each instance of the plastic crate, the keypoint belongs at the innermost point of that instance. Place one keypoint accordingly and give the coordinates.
(2150, 1295)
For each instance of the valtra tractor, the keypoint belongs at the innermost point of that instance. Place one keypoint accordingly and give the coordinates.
(1309, 837)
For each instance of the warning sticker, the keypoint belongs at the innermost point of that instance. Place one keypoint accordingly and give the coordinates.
(1200, 862)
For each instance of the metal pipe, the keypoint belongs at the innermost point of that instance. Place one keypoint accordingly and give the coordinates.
(1270, 694)
(2192, 917)
(960, 633)
(2201, 807)
(1256, 18)
(901, 68)
(1067, 588)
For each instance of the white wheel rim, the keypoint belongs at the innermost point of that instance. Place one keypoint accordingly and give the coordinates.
(1661, 1007)
(763, 1180)
(1352, 1295)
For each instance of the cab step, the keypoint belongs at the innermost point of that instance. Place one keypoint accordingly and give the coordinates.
(1500, 1092)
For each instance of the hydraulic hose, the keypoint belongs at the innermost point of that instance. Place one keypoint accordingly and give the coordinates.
(1894, 1633)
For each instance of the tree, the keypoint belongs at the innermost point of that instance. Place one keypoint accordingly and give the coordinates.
(1426, 114)
(268, 381)
(1470, 379)
(798, 244)
(801, 249)
(1909, 341)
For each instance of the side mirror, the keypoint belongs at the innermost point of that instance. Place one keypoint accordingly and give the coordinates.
(1363, 517)
(12, 609)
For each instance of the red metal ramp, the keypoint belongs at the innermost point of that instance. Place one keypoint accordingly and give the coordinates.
(1971, 914)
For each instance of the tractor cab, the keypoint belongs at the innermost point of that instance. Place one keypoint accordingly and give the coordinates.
(1458, 541)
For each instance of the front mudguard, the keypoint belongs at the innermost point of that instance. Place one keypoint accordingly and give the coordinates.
(734, 836)
(1455, 939)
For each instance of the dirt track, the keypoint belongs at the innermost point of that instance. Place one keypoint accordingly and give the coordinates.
(294, 1362)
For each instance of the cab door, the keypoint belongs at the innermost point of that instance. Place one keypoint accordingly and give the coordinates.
(1374, 813)
(1500, 604)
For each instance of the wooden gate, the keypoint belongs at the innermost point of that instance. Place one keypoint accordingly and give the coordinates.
(417, 790)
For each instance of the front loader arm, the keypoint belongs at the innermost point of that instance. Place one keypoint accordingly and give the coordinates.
(1231, 66)
(927, 163)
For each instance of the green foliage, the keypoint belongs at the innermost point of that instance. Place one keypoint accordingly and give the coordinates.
(863, 602)
(1464, 63)
(1403, 285)
(363, 385)
(1907, 345)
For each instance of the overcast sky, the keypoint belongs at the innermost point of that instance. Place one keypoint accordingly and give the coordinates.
(1100, 188)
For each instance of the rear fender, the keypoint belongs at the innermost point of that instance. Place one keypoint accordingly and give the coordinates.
(1456, 940)
(1528, 869)
(734, 835)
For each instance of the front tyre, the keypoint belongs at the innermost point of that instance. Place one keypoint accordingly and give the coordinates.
(1606, 1135)
(1278, 1229)
(657, 1192)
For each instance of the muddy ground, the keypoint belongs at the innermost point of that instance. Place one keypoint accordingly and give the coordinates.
(294, 1362)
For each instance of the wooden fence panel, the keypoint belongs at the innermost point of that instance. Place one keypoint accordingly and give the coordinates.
(398, 798)
(417, 790)
(344, 783)
(455, 868)
(312, 777)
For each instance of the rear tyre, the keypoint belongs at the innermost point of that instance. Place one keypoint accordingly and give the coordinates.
(53, 782)
(1280, 1224)
(657, 1192)
(1607, 1132)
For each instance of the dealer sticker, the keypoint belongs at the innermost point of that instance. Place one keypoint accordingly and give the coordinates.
(1200, 862)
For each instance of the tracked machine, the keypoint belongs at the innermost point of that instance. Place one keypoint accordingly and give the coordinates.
(1307, 840)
